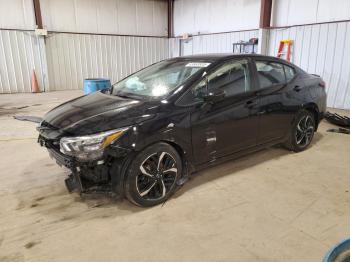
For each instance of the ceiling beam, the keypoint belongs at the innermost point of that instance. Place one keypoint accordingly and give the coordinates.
(265, 13)
(37, 12)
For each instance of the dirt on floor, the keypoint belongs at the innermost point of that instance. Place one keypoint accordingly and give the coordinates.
(273, 205)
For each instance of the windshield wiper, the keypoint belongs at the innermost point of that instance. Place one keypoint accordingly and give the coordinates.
(123, 96)
(118, 93)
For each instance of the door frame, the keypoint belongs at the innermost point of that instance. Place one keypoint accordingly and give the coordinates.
(269, 91)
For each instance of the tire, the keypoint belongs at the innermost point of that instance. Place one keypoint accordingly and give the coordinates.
(302, 132)
(152, 175)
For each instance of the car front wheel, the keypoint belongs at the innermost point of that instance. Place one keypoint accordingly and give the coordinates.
(152, 176)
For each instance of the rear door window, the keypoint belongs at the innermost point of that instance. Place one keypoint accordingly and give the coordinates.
(270, 73)
(290, 72)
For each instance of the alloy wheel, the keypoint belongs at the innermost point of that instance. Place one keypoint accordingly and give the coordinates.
(157, 175)
(305, 131)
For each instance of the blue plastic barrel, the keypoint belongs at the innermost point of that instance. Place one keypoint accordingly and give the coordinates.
(95, 84)
(339, 252)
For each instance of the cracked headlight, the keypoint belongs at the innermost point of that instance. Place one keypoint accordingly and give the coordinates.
(89, 147)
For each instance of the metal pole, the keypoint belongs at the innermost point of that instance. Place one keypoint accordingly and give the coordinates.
(265, 13)
(170, 18)
(37, 12)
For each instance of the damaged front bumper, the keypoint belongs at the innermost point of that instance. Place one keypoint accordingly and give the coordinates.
(98, 176)
(73, 183)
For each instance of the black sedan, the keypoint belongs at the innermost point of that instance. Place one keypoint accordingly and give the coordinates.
(143, 137)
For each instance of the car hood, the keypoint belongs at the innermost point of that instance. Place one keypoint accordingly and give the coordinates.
(98, 112)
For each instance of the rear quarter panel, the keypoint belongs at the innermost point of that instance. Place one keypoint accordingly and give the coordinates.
(316, 93)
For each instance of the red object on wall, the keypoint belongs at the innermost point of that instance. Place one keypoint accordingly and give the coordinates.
(35, 86)
(289, 49)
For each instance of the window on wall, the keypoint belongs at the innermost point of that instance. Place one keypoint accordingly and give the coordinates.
(270, 73)
(233, 78)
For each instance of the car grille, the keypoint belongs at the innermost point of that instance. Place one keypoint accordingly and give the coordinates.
(53, 147)
(60, 158)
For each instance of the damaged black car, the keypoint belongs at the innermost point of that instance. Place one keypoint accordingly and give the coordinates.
(145, 135)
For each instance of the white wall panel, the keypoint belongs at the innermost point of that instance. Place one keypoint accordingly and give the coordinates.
(206, 16)
(20, 54)
(127, 17)
(296, 12)
(174, 47)
(218, 43)
(323, 49)
(74, 57)
(17, 14)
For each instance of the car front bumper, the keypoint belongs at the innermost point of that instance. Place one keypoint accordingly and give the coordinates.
(103, 175)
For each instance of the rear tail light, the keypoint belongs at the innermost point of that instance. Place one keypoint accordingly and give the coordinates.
(322, 84)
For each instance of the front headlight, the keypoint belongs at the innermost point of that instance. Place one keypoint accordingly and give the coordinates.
(89, 147)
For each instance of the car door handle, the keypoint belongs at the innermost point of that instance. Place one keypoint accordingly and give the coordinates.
(251, 103)
(297, 88)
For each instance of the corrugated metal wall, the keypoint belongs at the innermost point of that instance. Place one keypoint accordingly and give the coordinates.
(208, 16)
(299, 12)
(219, 43)
(69, 58)
(174, 47)
(323, 49)
(21, 52)
(74, 57)
(17, 14)
(123, 17)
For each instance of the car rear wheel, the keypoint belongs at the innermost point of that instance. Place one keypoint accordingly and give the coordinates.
(152, 176)
(302, 132)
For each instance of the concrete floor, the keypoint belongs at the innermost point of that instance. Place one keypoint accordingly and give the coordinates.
(270, 206)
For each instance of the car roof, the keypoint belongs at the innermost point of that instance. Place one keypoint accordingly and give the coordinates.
(216, 57)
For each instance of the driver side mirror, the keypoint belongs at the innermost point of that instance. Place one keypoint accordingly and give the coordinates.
(213, 97)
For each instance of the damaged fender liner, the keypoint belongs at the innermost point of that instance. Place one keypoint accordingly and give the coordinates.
(100, 176)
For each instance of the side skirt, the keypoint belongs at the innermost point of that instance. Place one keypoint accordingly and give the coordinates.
(238, 154)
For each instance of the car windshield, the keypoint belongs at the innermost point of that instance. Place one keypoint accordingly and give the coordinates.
(158, 80)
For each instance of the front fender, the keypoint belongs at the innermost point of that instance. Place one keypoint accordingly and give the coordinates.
(165, 127)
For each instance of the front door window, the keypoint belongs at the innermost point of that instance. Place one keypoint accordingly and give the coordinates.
(233, 78)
